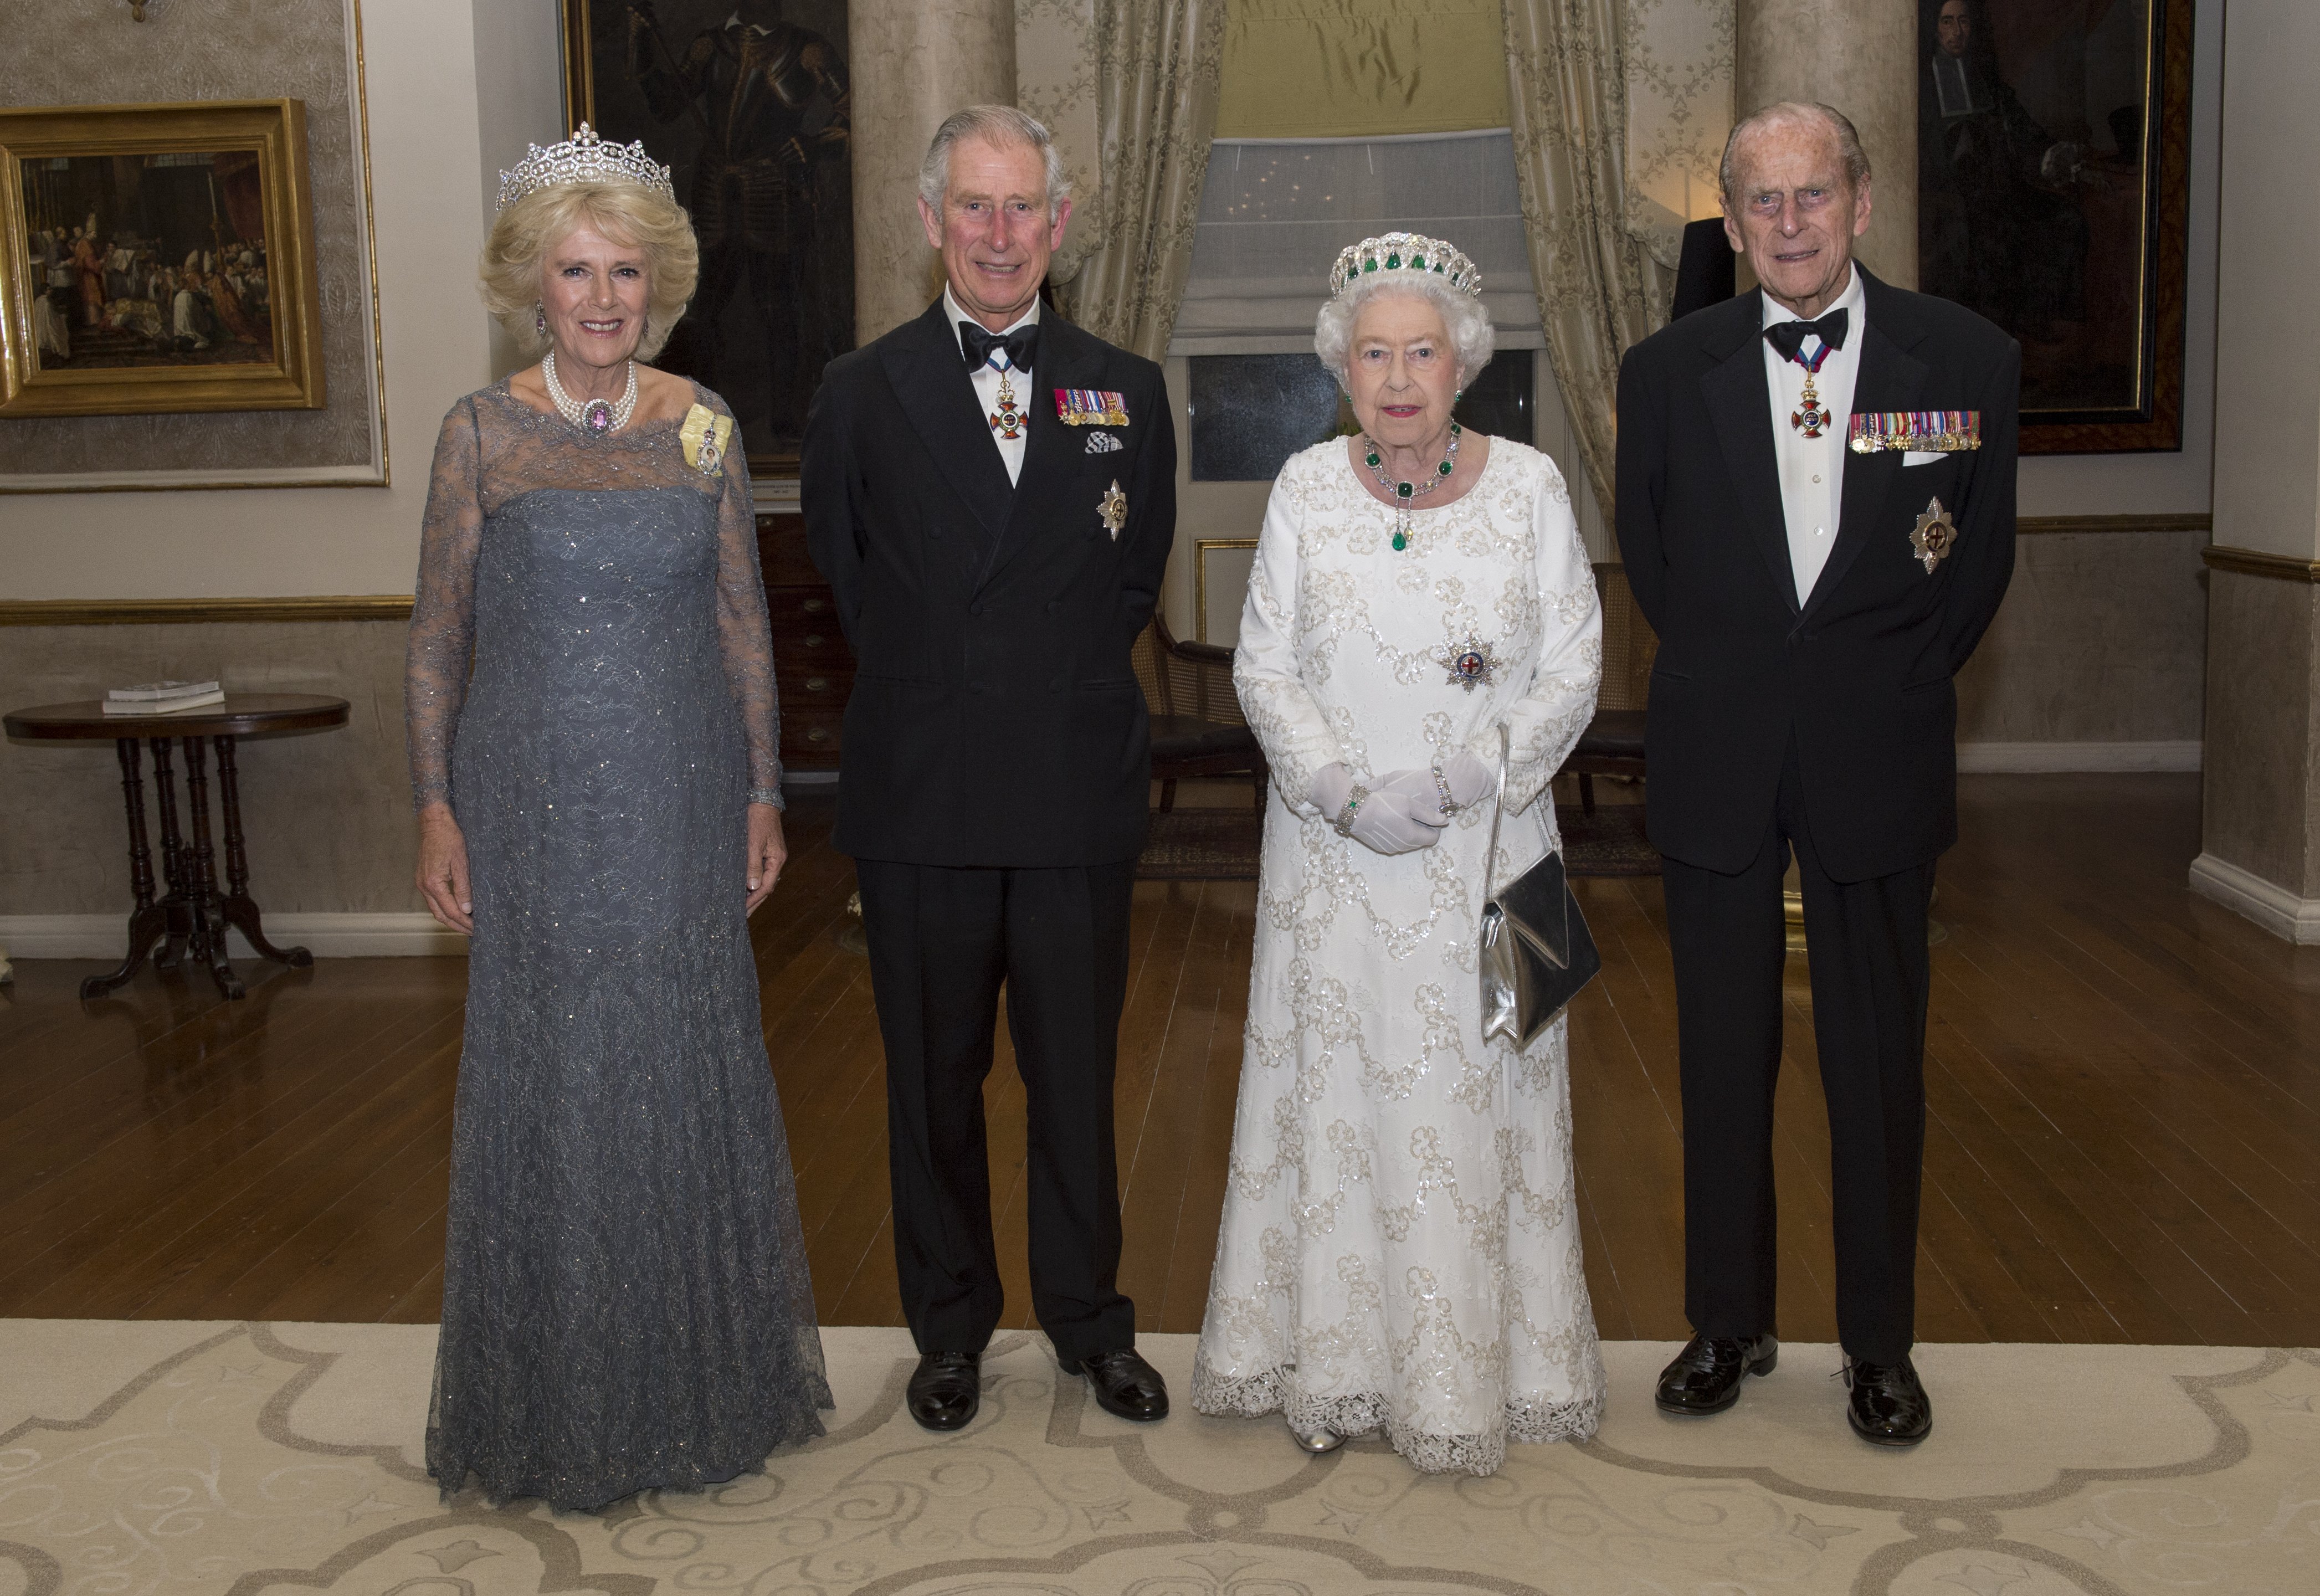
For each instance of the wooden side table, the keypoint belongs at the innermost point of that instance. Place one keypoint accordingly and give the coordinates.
(192, 913)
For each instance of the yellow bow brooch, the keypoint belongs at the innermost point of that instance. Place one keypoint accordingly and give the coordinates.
(706, 436)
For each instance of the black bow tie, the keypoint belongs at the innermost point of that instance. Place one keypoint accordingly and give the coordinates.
(977, 344)
(1789, 337)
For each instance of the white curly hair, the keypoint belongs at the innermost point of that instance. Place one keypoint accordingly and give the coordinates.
(1463, 317)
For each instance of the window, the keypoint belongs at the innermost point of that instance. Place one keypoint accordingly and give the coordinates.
(1250, 413)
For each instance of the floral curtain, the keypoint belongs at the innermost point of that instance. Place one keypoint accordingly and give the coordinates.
(1600, 291)
(1158, 63)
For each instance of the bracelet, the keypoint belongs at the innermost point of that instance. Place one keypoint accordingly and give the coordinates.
(1442, 786)
(1343, 823)
(772, 795)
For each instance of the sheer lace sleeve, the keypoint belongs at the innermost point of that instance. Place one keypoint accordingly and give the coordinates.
(443, 609)
(744, 636)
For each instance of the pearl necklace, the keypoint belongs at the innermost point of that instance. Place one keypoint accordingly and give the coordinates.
(597, 416)
(1403, 492)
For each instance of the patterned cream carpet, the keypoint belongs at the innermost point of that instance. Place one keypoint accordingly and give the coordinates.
(166, 1458)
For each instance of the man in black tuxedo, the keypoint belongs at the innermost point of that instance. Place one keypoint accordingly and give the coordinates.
(1816, 507)
(990, 492)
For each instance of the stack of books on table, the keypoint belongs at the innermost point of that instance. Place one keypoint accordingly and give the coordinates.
(162, 698)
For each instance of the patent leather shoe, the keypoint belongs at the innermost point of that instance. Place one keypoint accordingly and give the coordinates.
(1887, 1404)
(947, 1389)
(1706, 1375)
(1123, 1384)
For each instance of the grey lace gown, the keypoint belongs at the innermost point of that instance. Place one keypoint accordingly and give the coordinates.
(625, 1297)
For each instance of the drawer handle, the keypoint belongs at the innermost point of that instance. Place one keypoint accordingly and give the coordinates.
(817, 684)
(816, 606)
(819, 734)
(814, 640)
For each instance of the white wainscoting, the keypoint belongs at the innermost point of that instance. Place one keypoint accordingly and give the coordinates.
(326, 936)
(2024, 758)
(2267, 903)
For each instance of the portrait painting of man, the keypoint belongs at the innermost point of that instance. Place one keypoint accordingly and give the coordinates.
(2038, 198)
(156, 261)
(749, 102)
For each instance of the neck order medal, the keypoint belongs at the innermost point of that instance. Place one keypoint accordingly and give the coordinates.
(1809, 418)
(1007, 421)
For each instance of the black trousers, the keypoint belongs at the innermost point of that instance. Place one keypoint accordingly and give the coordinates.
(1867, 945)
(942, 942)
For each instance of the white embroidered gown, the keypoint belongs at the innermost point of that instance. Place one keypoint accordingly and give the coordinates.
(1399, 1248)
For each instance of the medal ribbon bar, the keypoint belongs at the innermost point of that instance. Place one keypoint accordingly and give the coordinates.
(1091, 407)
(1927, 431)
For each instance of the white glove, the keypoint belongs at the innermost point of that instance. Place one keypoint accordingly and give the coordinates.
(1386, 822)
(1471, 780)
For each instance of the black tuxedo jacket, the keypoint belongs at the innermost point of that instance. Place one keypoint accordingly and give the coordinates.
(1860, 673)
(996, 717)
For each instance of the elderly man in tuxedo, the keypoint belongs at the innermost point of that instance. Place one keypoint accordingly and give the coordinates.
(990, 492)
(1816, 507)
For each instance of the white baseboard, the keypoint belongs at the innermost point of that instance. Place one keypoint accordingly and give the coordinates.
(2267, 903)
(326, 936)
(2022, 758)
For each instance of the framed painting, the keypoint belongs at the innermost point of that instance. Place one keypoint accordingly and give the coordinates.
(158, 258)
(749, 102)
(2053, 155)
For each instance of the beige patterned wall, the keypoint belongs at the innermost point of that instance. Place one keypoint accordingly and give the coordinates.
(1054, 81)
(68, 52)
(1679, 61)
(329, 814)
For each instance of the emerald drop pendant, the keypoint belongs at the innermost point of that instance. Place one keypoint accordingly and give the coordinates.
(1401, 541)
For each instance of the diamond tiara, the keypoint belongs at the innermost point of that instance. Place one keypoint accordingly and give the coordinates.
(585, 158)
(1405, 252)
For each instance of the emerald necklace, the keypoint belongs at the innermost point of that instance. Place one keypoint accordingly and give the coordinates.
(1404, 492)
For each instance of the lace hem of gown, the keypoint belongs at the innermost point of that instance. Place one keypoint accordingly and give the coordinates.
(569, 1492)
(1529, 1420)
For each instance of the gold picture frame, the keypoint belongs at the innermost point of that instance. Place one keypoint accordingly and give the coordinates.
(1202, 547)
(241, 329)
(765, 320)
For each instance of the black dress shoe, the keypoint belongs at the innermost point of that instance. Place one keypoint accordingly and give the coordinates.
(1705, 1377)
(1889, 1404)
(946, 1389)
(1125, 1386)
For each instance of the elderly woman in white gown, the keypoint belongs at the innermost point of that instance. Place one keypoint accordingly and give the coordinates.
(1400, 1249)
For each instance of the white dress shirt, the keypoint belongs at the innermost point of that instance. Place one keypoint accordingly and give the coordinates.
(986, 377)
(1812, 469)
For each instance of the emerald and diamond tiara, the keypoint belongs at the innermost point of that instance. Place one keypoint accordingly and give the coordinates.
(1405, 252)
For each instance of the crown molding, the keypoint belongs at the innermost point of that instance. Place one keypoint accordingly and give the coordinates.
(2254, 562)
(383, 607)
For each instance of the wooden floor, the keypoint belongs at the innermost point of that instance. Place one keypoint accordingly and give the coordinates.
(2124, 1090)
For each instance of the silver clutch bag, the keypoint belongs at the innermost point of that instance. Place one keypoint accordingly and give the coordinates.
(1537, 952)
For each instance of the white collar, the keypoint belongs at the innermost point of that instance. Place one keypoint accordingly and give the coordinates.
(1852, 300)
(759, 29)
(1030, 318)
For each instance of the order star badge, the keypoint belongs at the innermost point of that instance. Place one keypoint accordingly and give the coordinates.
(1114, 510)
(1471, 663)
(1934, 533)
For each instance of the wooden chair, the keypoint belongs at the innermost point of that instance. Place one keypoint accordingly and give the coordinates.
(1613, 742)
(1196, 726)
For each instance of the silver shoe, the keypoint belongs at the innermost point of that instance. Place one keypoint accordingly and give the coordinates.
(1318, 1441)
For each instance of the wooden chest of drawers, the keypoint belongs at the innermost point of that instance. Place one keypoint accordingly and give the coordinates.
(814, 670)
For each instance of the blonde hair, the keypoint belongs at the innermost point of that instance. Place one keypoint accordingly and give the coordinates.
(626, 213)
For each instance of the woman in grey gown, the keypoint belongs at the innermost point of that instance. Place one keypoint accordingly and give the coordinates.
(625, 1297)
